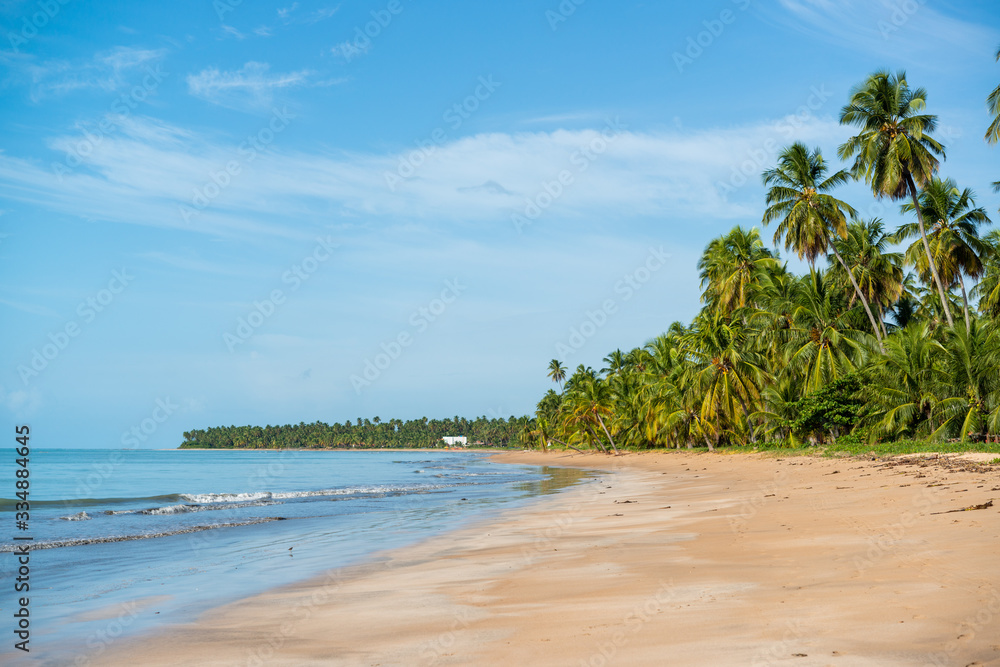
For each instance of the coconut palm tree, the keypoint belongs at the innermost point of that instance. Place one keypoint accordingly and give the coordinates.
(973, 402)
(954, 234)
(876, 271)
(905, 383)
(894, 151)
(993, 104)
(615, 361)
(823, 343)
(808, 216)
(557, 372)
(727, 372)
(731, 267)
(988, 289)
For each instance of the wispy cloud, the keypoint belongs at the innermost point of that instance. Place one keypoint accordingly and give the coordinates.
(252, 85)
(888, 28)
(107, 70)
(189, 264)
(145, 173)
(291, 14)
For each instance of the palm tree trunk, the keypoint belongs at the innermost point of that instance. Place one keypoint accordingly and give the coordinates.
(746, 413)
(864, 301)
(927, 249)
(601, 421)
(881, 320)
(965, 300)
(594, 437)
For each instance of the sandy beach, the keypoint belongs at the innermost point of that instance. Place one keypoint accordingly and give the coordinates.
(665, 559)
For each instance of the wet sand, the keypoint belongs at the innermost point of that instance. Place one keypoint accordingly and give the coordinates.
(667, 559)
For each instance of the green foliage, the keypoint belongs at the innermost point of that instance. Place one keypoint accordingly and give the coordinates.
(833, 409)
(365, 434)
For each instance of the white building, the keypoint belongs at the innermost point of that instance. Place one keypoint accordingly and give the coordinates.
(451, 440)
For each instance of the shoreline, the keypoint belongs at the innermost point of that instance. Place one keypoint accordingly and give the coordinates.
(684, 558)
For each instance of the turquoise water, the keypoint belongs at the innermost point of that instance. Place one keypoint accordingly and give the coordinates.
(126, 540)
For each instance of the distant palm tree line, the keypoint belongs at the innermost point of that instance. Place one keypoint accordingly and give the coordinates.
(877, 345)
(362, 434)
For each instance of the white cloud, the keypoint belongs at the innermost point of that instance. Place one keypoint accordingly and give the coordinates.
(252, 85)
(21, 403)
(146, 172)
(107, 70)
(907, 31)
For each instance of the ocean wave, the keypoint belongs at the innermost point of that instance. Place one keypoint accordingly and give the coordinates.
(205, 498)
(82, 516)
(141, 536)
(168, 499)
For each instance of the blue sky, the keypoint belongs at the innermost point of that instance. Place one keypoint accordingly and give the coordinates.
(228, 212)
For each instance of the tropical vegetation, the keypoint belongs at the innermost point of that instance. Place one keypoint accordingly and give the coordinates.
(889, 335)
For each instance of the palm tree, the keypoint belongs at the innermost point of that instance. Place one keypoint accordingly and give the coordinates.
(973, 402)
(726, 371)
(823, 343)
(988, 289)
(797, 196)
(731, 267)
(905, 383)
(877, 272)
(954, 234)
(616, 362)
(894, 151)
(993, 104)
(557, 372)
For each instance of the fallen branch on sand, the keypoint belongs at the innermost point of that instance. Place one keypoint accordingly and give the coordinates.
(986, 505)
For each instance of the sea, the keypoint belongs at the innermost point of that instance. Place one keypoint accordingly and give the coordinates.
(126, 541)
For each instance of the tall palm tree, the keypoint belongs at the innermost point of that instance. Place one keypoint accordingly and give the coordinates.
(615, 361)
(954, 234)
(557, 372)
(878, 272)
(823, 343)
(993, 104)
(905, 384)
(973, 402)
(988, 289)
(809, 217)
(731, 268)
(894, 151)
(727, 372)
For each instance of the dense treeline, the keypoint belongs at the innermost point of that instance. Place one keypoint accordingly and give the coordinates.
(364, 434)
(890, 335)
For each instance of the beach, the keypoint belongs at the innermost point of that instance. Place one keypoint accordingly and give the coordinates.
(670, 558)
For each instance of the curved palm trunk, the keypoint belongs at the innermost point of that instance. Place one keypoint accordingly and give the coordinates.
(593, 436)
(881, 320)
(601, 421)
(927, 249)
(864, 301)
(965, 300)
